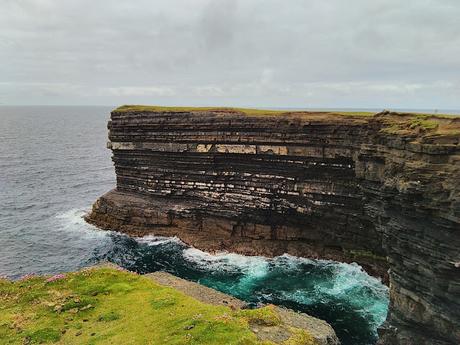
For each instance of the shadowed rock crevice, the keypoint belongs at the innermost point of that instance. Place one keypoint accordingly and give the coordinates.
(380, 190)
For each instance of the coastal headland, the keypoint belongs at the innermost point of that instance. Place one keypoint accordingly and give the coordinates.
(380, 189)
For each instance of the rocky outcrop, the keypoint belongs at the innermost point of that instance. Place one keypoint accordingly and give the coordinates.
(321, 332)
(380, 190)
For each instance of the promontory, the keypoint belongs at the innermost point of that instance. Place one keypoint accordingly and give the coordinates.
(382, 190)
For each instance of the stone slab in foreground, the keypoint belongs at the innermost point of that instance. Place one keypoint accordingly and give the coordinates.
(320, 330)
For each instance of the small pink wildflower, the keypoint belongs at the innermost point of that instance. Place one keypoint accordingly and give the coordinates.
(118, 268)
(28, 276)
(55, 277)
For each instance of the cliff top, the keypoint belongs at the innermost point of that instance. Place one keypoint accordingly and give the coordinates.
(393, 122)
(244, 111)
(258, 111)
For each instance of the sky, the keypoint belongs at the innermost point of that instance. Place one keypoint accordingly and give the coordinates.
(260, 53)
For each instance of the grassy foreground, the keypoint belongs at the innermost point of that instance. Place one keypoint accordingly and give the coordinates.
(109, 306)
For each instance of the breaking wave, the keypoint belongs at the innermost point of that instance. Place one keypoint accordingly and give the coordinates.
(44, 177)
(152, 240)
(73, 223)
(353, 302)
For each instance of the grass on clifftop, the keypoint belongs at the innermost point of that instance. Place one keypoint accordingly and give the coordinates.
(108, 306)
(262, 112)
(424, 123)
(246, 111)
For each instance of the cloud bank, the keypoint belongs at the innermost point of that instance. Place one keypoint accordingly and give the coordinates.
(273, 53)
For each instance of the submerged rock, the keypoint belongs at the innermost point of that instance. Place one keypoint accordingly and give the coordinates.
(381, 190)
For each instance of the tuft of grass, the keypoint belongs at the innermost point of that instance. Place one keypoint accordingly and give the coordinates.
(109, 316)
(422, 125)
(300, 337)
(365, 254)
(44, 335)
(108, 306)
(262, 316)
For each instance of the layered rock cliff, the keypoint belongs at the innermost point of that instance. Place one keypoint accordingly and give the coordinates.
(380, 190)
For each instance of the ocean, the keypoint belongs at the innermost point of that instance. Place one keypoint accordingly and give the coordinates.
(54, 164)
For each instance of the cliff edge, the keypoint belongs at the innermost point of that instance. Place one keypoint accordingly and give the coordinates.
(381, 190)
(107, 305)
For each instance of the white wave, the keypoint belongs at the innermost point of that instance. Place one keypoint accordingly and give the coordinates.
(252, 267)
(73, 222)
(301, 296)
(152, 240)
(296, 259)
(349, 283)
(292, 263)
(74, 216)
(249, 268)
(349, 276)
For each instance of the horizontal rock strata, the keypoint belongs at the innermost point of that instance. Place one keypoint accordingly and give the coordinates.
(380, 190)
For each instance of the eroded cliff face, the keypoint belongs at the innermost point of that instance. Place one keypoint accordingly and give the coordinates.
(380, 190)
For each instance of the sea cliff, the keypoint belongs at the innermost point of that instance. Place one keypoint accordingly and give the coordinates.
(381, 190)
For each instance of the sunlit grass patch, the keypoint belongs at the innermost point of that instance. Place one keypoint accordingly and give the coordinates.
(109, 306)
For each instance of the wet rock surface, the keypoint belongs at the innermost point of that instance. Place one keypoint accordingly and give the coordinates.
(381, 190)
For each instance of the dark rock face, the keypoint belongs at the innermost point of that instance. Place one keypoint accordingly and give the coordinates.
(382, 191)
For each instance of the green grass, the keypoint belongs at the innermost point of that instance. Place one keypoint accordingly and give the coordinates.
(255, 111)
(246, 111)
(107, 306)
(138, 108)
(365, 255)
(415, 123)
(423, 125)
(352, 113)
(439, 116)
(404, 124)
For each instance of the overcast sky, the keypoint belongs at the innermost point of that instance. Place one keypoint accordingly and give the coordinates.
(285, 53)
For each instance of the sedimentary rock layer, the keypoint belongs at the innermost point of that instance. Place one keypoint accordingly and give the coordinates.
(381, 190)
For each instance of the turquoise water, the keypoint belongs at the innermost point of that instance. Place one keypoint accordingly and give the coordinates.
(54, 165)
(354, 303)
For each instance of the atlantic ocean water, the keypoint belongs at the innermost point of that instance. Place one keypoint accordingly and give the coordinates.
(54, 165)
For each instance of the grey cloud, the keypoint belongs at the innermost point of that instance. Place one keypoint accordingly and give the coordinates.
(299, 53)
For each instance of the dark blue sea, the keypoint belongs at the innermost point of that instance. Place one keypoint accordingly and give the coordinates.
(54, 165)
